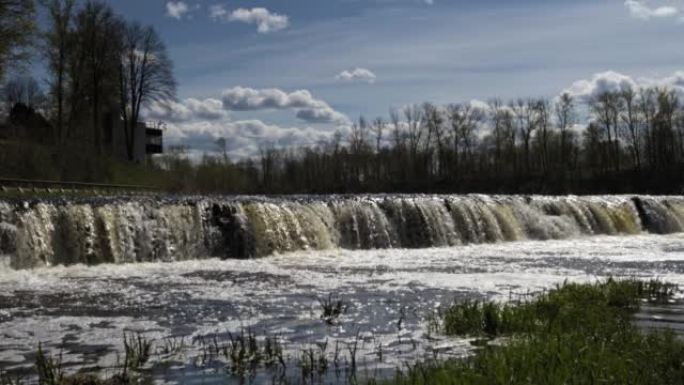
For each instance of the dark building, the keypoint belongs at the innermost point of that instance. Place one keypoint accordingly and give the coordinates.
(154, 143)
(148, 140)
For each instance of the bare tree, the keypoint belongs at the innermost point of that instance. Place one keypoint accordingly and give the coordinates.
(648, 109)
(455, 120)
(497, 118)
(378, 128)
(358, 136)
(17, 28)
(13, 93)
(434, 123)
(664, 125)
(397, 131)
(57, 46)
(631, 120)
(541, 111)
(565, 116)
(222, 146)
(145, 75)
(523, 112)
(33, 92)
(414, 121)
(100, 34)
(606, 109)
(24, 90)
(465, 119)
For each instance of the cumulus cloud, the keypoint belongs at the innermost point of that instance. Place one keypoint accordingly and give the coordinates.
(674, 81)
(308, 108)
(243, 138)
(176, 9)
(357, 75)
(197, 123)
(245, 99)
(321, 115)
(265, 20)
(584, 91)
(609, 81)
(479, 104)
(187, 110)
(641, 10)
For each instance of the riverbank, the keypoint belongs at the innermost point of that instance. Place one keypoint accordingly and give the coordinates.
(573, 334)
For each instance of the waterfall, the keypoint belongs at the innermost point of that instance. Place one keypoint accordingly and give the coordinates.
(45, 233)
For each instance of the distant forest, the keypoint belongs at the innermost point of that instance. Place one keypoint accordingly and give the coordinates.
(101, 66)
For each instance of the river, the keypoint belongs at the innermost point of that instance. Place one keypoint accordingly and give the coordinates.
(76, 275)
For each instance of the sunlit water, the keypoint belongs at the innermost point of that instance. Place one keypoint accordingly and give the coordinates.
(83, 311)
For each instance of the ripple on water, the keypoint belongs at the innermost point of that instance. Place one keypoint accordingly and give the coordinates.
(390, 295)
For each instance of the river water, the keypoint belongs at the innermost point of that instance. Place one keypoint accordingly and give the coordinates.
(187, 295)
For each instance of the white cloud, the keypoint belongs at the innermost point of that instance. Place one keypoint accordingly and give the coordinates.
(357, 75)
(244, 138)
(308, 108)
(197, 123)
(265, 20)
(429, 2)
(210, 109)
(479, 104)
(610, 81)
(321, 115)
(640, 10)
(218, 12)
(674, 81)
(244, 99)
(187, 110)
(176, 9)
(585, 90)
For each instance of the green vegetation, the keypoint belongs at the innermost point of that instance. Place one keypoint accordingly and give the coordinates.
(332, 309)
(557, 309)
(137, 351)
(76, 163)
(50, 369)
(573, 334)
(243, 353)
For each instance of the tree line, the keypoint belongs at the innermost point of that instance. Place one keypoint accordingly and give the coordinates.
(634, 142)
(99, 66)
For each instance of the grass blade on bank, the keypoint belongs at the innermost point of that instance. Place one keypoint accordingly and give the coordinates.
(573, 334)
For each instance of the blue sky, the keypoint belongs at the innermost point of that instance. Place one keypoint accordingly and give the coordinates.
(273, 72)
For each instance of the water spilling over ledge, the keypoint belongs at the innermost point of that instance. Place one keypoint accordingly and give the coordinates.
(143, 230)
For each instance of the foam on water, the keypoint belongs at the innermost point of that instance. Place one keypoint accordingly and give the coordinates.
(83, 310)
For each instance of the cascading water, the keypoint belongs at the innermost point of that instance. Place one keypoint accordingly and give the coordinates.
(139, 230)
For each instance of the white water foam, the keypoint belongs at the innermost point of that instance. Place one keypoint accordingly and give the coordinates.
(84, 310)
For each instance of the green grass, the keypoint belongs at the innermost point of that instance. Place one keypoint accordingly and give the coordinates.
(564, 307)
(573, 334)
(50, 369)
